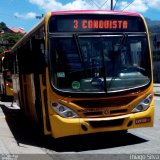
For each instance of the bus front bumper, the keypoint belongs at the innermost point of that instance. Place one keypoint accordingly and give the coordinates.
(61, 127)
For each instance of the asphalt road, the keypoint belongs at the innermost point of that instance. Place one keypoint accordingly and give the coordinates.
(20, 138)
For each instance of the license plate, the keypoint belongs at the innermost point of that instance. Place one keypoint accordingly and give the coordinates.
(143, 120)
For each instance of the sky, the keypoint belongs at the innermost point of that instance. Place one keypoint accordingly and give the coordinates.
(23, 13)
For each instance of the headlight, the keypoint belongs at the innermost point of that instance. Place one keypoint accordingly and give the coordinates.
(63, 110)
(142, 106)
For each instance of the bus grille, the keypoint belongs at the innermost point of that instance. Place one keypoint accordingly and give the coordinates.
(105, 107)
(104, 102)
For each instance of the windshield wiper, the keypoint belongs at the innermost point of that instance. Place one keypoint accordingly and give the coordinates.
(75, 36)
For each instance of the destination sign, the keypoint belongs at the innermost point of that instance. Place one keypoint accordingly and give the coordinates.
(100, 24)
(95, 23)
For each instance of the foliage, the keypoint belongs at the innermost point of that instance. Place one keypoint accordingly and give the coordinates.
(11, 38)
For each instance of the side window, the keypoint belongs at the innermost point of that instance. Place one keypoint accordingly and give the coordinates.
(37, 55)
(25, 58)
(31, 55)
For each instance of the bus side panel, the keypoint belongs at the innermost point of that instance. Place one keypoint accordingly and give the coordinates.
(28, 98)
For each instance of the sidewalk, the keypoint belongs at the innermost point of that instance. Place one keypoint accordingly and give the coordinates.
(156, 89)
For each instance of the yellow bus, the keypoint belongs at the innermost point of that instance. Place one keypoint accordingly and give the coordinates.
(82, 72)
(6, 66)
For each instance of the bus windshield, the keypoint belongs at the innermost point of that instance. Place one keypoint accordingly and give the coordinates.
(99, 63)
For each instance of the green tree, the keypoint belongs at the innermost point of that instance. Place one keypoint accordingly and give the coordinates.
(10, 38)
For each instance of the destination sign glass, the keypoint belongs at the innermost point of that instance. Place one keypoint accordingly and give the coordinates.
(95, 23)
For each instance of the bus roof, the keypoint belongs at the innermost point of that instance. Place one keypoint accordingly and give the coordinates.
(94, 12)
